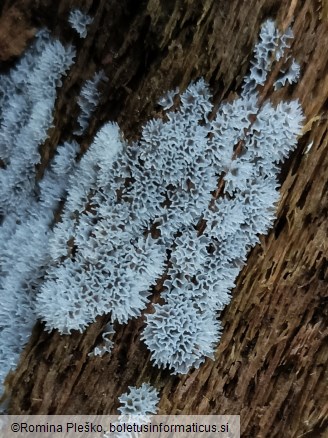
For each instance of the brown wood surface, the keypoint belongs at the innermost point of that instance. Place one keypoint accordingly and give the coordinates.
(271, 363)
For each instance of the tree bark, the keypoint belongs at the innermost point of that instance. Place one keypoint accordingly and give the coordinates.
(271, 363)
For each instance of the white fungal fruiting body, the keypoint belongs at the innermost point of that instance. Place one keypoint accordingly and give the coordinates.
(27, 98)
(79, 22)
(203, 267)
(130, 208)
(139, 401)
(88, 100)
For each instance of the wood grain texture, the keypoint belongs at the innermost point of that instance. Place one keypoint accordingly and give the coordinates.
(271, 363)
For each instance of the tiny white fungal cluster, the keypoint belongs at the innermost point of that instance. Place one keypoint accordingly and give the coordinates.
(88, 100)
(134, 212)
(137, 407)
(139, 401)
(80, 22)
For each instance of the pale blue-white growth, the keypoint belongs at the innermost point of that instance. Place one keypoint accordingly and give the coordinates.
(245, 145)
(289, 76)
(108, 267)
(131, 214)
(134, 213)
(80, 22)
(203, 268)
(270, 48)
(88, 100)
(180, 334)
(27, 97)
(53, 186)
(285, 41)
(139, 401)
(100, 156)
(100, 279)
(137, 407)
(94, 166)
(105, 245)
(24, 256)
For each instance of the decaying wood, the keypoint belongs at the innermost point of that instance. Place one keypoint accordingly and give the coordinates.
(15, 33)
(271, 364)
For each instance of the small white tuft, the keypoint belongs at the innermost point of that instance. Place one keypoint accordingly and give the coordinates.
(79, 22)
(139, 401)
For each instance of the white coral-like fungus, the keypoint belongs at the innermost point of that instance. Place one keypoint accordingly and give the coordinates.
(27, 97)
(180, 335)
(289, 76)
(88, 100)
(139, 401)
(79, 22)
(134, 212)
(129, 208)
(137, 405)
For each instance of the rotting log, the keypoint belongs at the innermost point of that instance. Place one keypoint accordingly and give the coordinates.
(271, 363)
